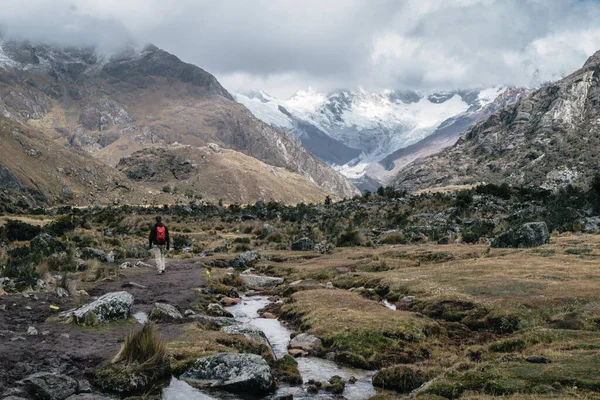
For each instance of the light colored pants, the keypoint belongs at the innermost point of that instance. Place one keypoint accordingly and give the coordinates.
(159, 256)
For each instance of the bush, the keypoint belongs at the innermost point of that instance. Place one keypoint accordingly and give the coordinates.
(17, 230)
(60, 226)
(393, 238)
(401, 379)
(349, 238)
(181, 241)
(507, 346)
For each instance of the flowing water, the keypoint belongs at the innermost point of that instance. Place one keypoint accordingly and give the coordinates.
(389, 305)
(279, 336)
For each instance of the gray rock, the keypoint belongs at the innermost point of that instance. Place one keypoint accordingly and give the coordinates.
(62, 292)
(324, 247)
(164, 312)
(305, 284)
(217, 310)
(244, 373)
(260, 282)
(219, 322)
(110, 307)
(189, 313)
(251, 333)
(31, 331)
(125, 265)
(111, 257)
(246, 260)
(303, 244)
(91, 253)
(48, 386)
(267, 230)
(592, 225)
(88, 396)
(306, 342)
(143, 264)
(531, 234)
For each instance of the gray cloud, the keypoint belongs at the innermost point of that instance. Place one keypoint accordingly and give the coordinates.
(289, 44)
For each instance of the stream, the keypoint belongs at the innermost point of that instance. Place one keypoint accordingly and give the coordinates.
(279, 336)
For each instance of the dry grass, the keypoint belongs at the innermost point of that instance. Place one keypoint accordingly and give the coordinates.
(144, 347)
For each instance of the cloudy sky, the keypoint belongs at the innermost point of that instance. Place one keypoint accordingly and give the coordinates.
(284, 45)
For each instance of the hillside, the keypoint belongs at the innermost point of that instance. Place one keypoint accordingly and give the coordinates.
(218, 174)
(549, 139)
(36, 171)
(112, 105)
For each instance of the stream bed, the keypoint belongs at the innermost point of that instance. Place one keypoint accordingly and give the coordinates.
(279, 336)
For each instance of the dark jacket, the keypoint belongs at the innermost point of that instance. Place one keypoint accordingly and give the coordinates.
(152, 237)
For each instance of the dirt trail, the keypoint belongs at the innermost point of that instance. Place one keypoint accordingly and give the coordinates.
(71, 350)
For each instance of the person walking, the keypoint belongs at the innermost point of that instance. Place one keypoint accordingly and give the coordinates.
(159, 236)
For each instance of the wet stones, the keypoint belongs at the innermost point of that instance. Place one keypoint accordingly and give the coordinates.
(49, 386)
(245, 260)
(308, 343)
(217, 310)
(260, 282)
(245, 373)
(250, 332)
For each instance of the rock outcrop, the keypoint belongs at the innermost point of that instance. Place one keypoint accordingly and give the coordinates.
(532, 234)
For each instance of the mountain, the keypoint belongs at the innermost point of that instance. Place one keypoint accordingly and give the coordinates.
(34, 171)
(356, 130)
(549, 139)
(113, 105)
(216, 174)
(446, 135)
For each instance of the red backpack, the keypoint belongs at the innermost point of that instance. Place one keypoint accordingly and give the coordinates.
(161, 234)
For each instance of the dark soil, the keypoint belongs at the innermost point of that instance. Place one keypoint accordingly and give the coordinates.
(72, 350)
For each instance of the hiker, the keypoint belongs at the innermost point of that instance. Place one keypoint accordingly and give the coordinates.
(159, 236)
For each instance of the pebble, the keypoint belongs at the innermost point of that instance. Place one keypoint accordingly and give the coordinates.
(538, 360)
(189, 313)
(45, 333)
(3, 307)
(65, 335)
(14, 339)
(31, 331)
(28, 308)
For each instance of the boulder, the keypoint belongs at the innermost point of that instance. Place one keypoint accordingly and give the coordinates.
(267, 230)
(303, 244)
(111, 257)
(305, 284)
(217, 310)
(251, 333)
(91, 253)
(244, 373)
(260, 282)
(219, 322)
(230, 301)
(245, 260)
(87, 396)
(164, 312)
(49, 386)
(306, 342)
(324, 247)
(110, 307)
(531, 234)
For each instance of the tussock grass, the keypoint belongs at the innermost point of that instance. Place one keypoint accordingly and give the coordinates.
(144, 347)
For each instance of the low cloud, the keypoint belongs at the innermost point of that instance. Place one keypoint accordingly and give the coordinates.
(292, 44)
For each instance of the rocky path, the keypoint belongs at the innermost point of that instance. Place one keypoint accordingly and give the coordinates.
(56, 347)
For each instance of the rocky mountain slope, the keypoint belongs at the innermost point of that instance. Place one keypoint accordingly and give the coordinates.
(355, 130)
(115, 104)
(34, 171)
(217, 174)
(446, 135)
(549, 139)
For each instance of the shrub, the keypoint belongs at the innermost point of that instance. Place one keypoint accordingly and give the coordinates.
(349, 238)
(17, 230)
(400, 378)
(507, 346)
(60, 226)
(240, 248)
(181, 241)
(275, 237)
(393, 238)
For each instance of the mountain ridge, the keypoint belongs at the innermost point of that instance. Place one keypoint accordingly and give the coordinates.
(114, 105)
(549, 139)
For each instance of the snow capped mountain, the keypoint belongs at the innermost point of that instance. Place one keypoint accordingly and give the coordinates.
(352, 129)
